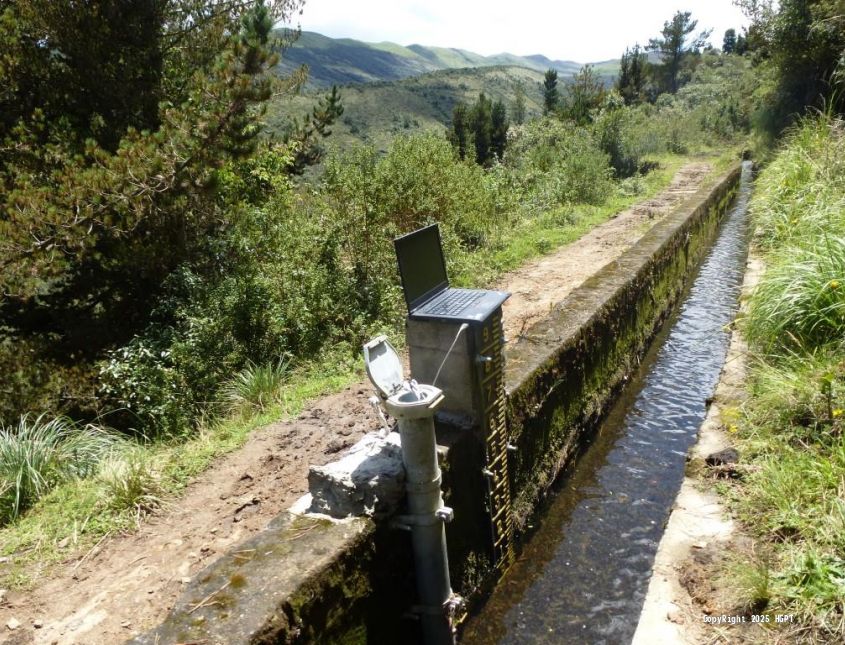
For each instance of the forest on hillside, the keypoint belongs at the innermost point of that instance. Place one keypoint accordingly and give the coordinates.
(173, 254)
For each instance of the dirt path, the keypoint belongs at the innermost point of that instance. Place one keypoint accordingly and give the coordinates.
(538, 285)
(127, 583)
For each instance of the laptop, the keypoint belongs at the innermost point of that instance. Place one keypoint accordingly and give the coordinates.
(426, 286)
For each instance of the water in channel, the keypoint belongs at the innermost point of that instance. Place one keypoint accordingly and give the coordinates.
(583, 574)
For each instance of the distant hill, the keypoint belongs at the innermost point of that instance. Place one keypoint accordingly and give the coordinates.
(376, 112)
(342, 61)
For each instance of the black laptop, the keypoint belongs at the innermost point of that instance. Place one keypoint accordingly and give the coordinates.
(427, 291)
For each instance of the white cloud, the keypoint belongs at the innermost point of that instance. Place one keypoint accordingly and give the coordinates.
(586, 30)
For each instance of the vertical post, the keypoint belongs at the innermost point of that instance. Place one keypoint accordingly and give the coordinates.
(426, 512)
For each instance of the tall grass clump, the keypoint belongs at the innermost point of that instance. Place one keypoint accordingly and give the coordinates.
(799, 215)
(801, 304)
(801, 193)
(256, 387)
(39, 453)
(131, 483)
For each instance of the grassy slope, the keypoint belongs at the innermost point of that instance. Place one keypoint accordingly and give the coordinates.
(374, 113)
(344, 60)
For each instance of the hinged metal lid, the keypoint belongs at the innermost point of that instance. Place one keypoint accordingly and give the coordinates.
(383, 366)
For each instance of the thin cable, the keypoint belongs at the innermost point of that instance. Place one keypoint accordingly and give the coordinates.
(461, 330)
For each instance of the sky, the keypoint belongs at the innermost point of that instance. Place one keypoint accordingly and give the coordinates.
(579, 30)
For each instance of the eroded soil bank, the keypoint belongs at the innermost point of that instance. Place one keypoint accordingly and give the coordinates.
(127, 583)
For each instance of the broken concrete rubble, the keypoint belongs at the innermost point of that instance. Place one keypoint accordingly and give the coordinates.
(369, 479)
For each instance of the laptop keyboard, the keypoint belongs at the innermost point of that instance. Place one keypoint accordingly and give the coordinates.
(452, 302)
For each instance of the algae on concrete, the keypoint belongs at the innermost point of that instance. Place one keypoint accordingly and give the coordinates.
(297, 581)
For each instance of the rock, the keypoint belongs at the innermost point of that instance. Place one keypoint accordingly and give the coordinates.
(369, 479)
(12, 624)
(724, 464)
(336, 445)
(675, 615)
(722, 457)
(37, 624)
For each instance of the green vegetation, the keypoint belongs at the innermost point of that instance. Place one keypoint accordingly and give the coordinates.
(551, 96)
(39, 454)
(133, 480)
(676, 51)
(631, 82)
(798, 47)
(791, 430)
(257, 387)
(168, 276)
(375, 113)
(485, 124)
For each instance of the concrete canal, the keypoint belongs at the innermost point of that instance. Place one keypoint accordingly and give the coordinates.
(583, 574)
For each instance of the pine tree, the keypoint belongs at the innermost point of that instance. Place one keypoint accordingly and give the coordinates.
(631, 81)
(623, 81)
(551, 96)
(518, 109)
(741, 45)
(116, 119)
(459, 133)
(306, 135)
(729, 42)
(674, 47)
(482, 129)
(499, 129)
(584, 95)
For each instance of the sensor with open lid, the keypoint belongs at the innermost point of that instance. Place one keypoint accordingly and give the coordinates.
(384, 367)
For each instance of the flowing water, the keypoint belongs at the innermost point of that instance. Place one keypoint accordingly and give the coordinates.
(583, 574)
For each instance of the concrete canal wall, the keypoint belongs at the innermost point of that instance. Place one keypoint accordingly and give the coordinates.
(311, 579)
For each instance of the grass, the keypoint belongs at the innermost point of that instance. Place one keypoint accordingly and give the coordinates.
(130, 482)
(791, 430)
(85, 510)
(39, 454)
(134, 482)
(257, 387)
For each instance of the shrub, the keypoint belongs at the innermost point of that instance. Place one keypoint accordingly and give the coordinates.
(612, 128)
(558, 163)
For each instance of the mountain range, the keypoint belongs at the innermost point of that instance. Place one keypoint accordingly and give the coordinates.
(345, 61)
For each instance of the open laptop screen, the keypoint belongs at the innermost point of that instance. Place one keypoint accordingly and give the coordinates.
(421, 265)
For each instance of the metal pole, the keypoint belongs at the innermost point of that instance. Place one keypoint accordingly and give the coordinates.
(414, 411)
